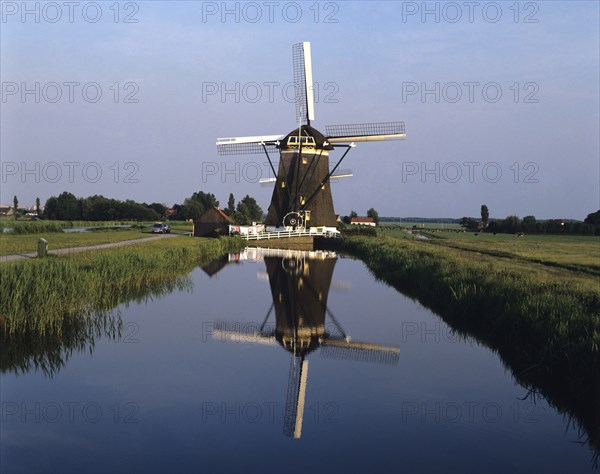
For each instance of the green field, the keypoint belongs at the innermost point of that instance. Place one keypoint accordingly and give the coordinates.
(421, 225)
(574, 252)
(19, 244)
(14, 244)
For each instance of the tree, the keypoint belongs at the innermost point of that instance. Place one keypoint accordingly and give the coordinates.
(37, 206)
(374, 215)
(346, 219)
(51, 207)
(231, 204)
(353, 214)
(485, 215)
(511, 224)
(206, 200)
(529, 224)
(248, 211)
(159, 208)
(593, 218)
(192, 208)
(468, 223)
(15, 207)
(67, 207)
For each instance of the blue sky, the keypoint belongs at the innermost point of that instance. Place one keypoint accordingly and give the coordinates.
(532, 150)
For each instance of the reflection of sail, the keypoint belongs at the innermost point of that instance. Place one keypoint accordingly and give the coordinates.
(296, 394)
(300, 283)
(354, 350)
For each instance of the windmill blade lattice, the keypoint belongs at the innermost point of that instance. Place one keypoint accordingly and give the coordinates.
(365, 129)
(360, 352)
(303, 86)
(243, 148)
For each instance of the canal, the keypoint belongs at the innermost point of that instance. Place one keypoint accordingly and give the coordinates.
(276, 361)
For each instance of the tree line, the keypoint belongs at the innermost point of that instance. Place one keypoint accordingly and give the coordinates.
(530, 225)
(68, 207)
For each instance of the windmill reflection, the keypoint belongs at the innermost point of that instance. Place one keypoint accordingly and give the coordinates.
(300, 283)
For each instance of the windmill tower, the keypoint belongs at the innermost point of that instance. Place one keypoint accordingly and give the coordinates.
(302, 194)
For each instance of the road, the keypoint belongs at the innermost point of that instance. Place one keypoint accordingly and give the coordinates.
(12, 258)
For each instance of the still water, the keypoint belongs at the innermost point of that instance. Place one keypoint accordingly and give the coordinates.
(280, 361)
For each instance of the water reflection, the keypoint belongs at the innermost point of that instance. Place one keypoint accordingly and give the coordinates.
(300, 283)
(49, 351)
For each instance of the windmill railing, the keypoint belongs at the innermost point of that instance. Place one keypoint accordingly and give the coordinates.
(286, 234)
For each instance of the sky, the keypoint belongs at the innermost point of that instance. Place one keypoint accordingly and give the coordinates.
(126, 99)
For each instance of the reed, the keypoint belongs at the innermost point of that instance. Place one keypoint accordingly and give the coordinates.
(41, 296)
(22, 227)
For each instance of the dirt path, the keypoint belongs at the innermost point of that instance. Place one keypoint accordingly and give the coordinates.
(11, 258)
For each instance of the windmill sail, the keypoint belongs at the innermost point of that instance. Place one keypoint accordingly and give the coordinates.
(246, 145)
(341, 174)
(303, 83)
(365, 132)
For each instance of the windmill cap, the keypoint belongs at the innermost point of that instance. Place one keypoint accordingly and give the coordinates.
(308, 131)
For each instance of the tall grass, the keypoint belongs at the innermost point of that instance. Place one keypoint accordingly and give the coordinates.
(38, 227)
(32, 227)
(41, 296)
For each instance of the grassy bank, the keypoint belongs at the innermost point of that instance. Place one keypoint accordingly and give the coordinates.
(556, 311)
(41, 297)
(543, 321)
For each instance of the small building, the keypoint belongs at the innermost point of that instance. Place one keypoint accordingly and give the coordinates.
(212, 223)
(369, 221)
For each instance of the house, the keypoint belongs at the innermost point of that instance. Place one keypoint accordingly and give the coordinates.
(362, 221)
(212, 223)
(6, 211)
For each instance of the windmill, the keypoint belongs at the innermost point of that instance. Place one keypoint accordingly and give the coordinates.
(300, 287)
(302, 195)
